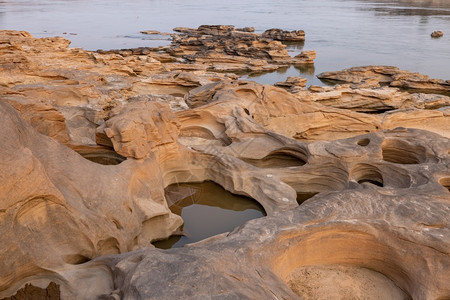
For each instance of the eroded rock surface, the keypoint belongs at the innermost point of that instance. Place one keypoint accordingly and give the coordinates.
(354, 178)
(225, 48)
(389, 75)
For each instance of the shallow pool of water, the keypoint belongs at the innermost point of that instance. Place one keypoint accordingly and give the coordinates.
(345, 33)
(207, 210)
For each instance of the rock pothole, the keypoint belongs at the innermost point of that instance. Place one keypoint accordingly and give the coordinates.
(402, 152)
(281, 158)
(445, 182)
(207, 210)
(323, 282)
(100, 155)
(363, 142)
(366, 173)
(302, 197)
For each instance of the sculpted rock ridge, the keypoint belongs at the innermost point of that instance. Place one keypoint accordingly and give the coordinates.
(354, 178)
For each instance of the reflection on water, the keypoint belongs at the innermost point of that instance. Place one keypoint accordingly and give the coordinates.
(207, 209)
(345, 33)
(305, 71)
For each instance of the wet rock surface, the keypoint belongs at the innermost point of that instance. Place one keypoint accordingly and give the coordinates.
(354, 178)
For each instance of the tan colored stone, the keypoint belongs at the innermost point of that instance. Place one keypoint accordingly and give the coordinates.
(390, 75)
(356, 195)
(139, 127)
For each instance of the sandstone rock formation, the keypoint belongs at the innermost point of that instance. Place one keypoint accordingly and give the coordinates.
(354, 178)
(224, 48)
(388, 75)
(283, 35)
(292, 84)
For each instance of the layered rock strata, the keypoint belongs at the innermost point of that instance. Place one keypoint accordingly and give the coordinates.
(225, 48)
(354, 178)
(388, 75)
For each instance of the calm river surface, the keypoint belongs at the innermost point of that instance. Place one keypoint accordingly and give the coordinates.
(344, 33)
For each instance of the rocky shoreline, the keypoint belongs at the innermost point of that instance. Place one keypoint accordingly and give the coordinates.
(91, 140)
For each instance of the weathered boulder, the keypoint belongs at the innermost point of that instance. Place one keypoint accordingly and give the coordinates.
(137, 128)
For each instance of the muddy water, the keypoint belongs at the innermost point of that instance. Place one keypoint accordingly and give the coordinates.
(207, 209)
(344, 33)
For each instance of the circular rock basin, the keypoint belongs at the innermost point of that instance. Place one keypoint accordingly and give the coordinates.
(207, 209)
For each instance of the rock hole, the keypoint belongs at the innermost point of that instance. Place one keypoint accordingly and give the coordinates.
(100, 155)
(376, 111)
(401, 152)
(31, 292)
(204, 133)
(246, 111)
(445, 182)
(76, 259)
(363, 142)
(302, 197)
(117, 223)
(374, 182)
(332, 282)
(108, 246)
(337, 255)
(366, 173)
(207, 210)
(282, 158)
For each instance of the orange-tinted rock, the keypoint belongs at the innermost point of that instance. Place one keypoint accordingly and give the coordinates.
(437, 34)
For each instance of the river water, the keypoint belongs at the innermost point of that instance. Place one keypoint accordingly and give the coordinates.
(344, 33)
(207, 209)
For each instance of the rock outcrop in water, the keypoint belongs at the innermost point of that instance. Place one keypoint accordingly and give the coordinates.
(224, 48)
(355, 178)
(437, 34)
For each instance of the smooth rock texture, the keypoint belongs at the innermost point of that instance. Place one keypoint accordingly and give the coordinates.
(354, 178)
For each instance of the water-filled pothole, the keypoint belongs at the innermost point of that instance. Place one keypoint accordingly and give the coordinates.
(207, 209)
